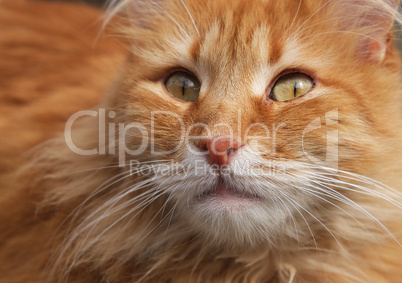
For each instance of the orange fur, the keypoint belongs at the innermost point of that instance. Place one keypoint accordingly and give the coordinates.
(63, 216)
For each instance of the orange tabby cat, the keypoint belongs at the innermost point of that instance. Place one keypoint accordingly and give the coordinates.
(243, 141)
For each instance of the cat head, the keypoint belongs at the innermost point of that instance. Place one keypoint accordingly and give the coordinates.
(257, 115)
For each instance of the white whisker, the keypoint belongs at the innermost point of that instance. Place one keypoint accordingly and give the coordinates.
(311, 16)
(302, 216)
(320, 222)
(191, 18)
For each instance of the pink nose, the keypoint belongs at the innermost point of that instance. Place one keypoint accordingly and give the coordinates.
(220, 149)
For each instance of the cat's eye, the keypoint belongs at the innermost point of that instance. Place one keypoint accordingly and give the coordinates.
(183, 86)
(291, 86)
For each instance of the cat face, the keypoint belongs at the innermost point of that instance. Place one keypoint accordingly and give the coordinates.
(259, 109)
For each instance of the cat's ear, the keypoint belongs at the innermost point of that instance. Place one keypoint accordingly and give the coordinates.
(372, 20)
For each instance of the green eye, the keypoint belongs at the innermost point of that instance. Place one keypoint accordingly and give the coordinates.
(183, 86)
(291, 86)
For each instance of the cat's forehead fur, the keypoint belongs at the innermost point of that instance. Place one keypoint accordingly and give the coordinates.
(225, 33)
(239, 47)
(252, 39)
(242, 31)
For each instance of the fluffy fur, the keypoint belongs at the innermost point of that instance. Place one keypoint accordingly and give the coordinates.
(73, 218)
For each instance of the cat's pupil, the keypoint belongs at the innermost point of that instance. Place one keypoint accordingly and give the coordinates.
(183, 86)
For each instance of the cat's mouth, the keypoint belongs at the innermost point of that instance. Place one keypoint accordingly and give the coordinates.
(227, 195)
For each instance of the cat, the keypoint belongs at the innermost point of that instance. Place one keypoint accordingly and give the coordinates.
(238, 141)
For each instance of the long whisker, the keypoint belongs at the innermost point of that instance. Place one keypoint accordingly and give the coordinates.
(355, 205)
(87, 246)
(294, 18)
(171, 18)
(191, 17)
(82, 228)
(361, 178)
(118, 165)
(109, 211)
(319, 195)
(358, 189)
(293, 220)
(320, 222)
(302, 216)
(114, 180)
(309, 18)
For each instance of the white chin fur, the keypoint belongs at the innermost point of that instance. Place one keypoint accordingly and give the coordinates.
(234, 220)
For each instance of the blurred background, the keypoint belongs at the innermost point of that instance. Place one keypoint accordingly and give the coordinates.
(92, 2)
(98, 3)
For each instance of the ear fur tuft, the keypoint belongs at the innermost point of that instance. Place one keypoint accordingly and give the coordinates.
(373, 20)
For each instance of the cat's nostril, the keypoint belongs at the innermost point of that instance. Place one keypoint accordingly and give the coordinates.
(202, 144)
(220, 149)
